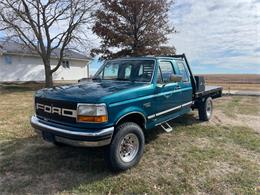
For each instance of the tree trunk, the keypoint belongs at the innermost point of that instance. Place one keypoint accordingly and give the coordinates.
(48, 75)
(48, 80)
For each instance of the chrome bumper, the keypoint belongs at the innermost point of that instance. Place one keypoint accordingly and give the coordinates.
(75, 138)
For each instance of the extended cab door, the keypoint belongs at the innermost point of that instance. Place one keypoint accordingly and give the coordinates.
(185, 84)
(168, 96)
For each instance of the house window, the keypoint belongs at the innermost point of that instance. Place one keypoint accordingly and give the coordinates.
(8, 59)
(65, 64)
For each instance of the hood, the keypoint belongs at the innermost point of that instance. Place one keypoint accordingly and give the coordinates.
(87, 92)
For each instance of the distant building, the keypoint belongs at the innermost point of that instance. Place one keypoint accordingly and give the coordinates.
(20, 63)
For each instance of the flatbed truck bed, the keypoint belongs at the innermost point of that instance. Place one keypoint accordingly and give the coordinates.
(210, 91)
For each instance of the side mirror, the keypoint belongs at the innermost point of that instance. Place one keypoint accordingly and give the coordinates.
(175, 78)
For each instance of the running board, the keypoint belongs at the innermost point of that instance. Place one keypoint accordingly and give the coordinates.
(166, 127)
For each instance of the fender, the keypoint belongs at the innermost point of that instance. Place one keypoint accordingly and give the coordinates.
(128, 111)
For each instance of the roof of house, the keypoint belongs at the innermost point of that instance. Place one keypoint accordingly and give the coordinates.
(8, 47)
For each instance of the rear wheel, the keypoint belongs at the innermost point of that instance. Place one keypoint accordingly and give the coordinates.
(206, 109)
(126, 148)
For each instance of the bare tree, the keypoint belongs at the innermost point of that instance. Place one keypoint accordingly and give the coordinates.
(46, 26)
(133, 27)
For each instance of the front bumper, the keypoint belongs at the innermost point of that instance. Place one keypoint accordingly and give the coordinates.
(67, 135)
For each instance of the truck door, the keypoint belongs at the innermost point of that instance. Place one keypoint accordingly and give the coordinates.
(168, 97)
(185, 84)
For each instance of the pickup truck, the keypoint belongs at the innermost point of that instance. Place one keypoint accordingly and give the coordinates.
(126, 97)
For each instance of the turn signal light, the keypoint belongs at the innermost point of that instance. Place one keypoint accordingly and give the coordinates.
(93, 119)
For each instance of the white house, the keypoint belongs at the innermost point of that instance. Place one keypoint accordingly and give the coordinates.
(20, 63)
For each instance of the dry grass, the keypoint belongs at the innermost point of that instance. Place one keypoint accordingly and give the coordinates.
(233, 86)
(235, 82)
(217, 157)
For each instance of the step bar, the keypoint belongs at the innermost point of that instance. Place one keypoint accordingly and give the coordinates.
(166, 127)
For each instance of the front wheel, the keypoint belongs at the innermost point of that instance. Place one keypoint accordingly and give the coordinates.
(206, 109)
(126, 148)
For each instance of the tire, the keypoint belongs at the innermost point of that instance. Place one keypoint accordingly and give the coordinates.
(120, 156)
(206, 109)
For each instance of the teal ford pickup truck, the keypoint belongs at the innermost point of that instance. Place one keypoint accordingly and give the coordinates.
(126, 97)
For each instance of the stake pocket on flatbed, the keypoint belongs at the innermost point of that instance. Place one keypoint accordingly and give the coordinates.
(126, 97)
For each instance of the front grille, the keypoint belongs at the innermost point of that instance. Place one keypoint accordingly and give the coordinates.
(55, 116)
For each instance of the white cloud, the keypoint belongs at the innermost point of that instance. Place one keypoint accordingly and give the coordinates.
(223, 34)
(219, 33)
(215, 34)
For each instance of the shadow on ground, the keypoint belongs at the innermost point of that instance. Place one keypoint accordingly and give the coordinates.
(30, 165)
(33, 166)
(185, 120)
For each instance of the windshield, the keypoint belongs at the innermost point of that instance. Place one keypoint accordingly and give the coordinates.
(127, 70)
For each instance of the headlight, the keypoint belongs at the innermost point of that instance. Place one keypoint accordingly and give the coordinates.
(94, 113)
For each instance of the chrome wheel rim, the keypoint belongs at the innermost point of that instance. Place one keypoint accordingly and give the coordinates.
(129, 147)
(209, 109)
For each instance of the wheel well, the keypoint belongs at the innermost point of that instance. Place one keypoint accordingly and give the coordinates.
(134, 117)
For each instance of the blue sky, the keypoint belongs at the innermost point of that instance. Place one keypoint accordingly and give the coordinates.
(218, 36)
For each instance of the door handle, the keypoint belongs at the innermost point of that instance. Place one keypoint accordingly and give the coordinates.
(177, 87)
(168, 95)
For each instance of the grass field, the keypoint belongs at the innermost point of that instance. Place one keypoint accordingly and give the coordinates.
(217, 157)
(235, 81)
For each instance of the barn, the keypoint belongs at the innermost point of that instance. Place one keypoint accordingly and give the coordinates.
(20, 63)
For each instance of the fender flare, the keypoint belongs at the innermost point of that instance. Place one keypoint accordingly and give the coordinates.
(133, 112)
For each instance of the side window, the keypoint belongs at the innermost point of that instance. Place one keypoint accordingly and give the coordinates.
(65, 64)
(159, 76)
(8, 59)
(183, 72)
(166, 70)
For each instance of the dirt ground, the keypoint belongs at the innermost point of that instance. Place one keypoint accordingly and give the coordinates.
(241, 114)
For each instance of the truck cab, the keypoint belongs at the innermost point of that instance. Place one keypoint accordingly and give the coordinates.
(126, 97)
